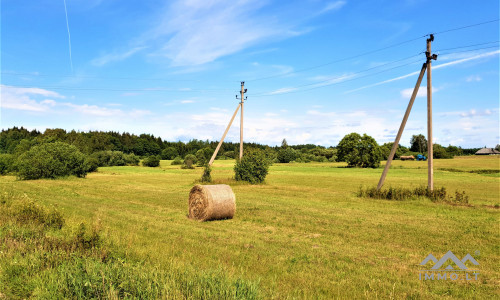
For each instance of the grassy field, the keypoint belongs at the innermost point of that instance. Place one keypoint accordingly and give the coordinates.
(302, 234)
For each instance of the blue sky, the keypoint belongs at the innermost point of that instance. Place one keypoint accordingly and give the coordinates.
(173, 68)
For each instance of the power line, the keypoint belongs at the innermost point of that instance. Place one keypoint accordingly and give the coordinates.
(468, 26)
(92, 77)
(339, 60)
(468, 46)
(469, 50)
(122, 90)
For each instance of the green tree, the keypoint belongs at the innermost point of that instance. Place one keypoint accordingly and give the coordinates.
(151, 161)
(252, 167)
(286, 155)
(359, 151)
(418, 143)
(51, 160)
(284, 144)
(169, 153)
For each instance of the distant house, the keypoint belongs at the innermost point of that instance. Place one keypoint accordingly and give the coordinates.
(487, 151)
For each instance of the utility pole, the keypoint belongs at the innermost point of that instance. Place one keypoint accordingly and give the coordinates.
(242, 92)
(401, 128)
(223, 136)
(426, 65)
(430, 150)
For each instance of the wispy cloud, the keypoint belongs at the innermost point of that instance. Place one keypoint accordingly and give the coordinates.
(434, 67)
(282, 91)
(113, 57)
(332, 6)
(27, 99)
(473, 78)
(422, 92)
(198, 32)
(187, 101)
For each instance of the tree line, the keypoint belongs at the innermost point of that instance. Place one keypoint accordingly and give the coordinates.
(23, 151)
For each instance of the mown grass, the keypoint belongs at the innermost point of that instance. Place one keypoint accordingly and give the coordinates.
(302, 234)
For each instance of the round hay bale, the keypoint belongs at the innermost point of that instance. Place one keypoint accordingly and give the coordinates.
(211, 202)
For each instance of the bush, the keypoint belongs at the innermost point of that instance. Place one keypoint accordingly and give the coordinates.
(91, 164)
(115, 158)
(359, 151)
(169, 153)
(189, 161)
(253, 166)
(131, 159)
(206, 177)
(177, 161)
(400, 193)
(203, 155)
(286, 155)
(151, 161)
(230, 154)
(50, 161)
(5, 163)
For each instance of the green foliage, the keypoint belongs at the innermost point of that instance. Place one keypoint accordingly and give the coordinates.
(253, 166)
(177, 161)
(6, 163)
(386, 150)
(203, 156)
(206, 177)
(284, 144)
(115, 158)
(286, 155)
(189, 161)
(169, 153)
(151, 161)
(399, 193)
(359, 151)
(50, 161)
(230, 154)
(418, 143)
(440, 152)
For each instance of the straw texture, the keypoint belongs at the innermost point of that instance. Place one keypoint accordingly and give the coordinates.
(211, 202)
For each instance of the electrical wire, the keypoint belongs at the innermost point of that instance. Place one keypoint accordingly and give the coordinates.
(465, 27)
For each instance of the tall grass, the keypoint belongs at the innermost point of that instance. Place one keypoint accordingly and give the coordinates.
(39, 259)
(400, 193)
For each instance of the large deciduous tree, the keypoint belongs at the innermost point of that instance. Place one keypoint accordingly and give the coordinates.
(359, 151)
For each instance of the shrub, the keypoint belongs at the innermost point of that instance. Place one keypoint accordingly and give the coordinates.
(50, 161)
(203, 155)
(5, 163)
(189, 160)
(400, 193)
(230, 154)
(169, 153)
(115, 158)
(91, 164)
(206, 177)
(359, 151)
(151, 161)
(177, 161)
(253, 166)
(131, 159)
(286, 155)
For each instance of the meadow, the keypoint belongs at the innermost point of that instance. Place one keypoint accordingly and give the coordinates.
(304, 233)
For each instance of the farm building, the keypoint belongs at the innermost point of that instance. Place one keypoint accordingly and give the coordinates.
(487, 151)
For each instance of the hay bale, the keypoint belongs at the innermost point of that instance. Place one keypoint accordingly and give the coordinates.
(211, 202)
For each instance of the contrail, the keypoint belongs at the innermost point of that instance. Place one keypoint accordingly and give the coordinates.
(69, 36)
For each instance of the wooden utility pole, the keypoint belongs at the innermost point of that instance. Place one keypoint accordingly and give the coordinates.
(223, 136)
(430, 150)
(402, 127)
(427, 65)
(243, 91)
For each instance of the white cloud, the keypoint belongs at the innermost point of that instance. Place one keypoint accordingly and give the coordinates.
(474, 78)
(332, 6)
(113, 57)
(434, 67)
(282, 91)
(187, 101)
(27, 99)
(422, 92)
